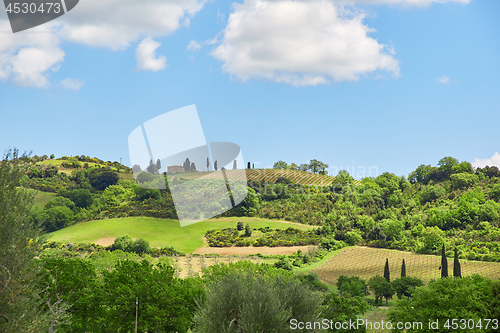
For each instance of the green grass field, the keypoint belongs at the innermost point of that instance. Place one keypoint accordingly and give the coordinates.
(158, 232)
(41, 199)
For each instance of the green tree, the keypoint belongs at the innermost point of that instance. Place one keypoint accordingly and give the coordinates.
(432, 238)
(446, 165)
(457, 272)
(21, 275)
(463, 180)
(280, 165)
(420, 175)
(81, 197)
(248, 230)
(446, 299)
(405, 286)
(403, 269)
(431, 192)
(102, 179)
(165, 303)
(444, 263)
(249, 302)
(54, 218)
(387, 273)
(240, 226)
(351, 286)
(344, 309)
(317, 166)
(123, 243)
(381, 288)
(141, 246)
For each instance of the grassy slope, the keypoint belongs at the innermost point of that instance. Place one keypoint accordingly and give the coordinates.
(159, 232)
(41, 199)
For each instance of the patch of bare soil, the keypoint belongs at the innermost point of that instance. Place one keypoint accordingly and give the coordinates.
(237, 251)
(106, 241)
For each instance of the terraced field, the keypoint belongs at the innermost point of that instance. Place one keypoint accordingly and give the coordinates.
(270, 175)
(366, 262)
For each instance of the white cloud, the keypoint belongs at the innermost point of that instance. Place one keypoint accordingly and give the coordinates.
(301, 43)
(27, 58)
(115, 24)
(146, 57)
(70, 83)
(482, 162)
(193, 46)
(443, 79)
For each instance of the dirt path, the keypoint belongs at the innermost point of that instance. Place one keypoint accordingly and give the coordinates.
(107, 241)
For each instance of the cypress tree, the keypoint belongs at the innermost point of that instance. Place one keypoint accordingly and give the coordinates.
(248, 165)
(403, 269)
(208, 164)
(444, 263)
(457, 272)
(387, 274)
(234, 165)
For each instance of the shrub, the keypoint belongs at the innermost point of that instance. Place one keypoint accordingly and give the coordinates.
(123, 243)
(141, 246)
(430, 193)
(240, 226)
(463, 180)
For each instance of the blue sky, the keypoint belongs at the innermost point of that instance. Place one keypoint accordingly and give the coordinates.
(387, 84)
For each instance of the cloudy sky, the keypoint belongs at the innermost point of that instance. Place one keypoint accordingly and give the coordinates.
(380, 84)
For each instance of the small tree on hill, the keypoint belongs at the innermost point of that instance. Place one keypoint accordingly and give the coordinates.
(248, 165)
(248, 230)
(215, 165)
(235, 166)
(444, 263)
(240, 226)
(387, 274)
(403, 269)
(193, 166)
(208, 164)
(457, 272)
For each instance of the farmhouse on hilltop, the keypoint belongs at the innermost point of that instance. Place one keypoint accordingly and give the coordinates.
(174, 168)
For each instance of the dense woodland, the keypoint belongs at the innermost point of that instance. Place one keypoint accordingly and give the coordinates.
(48, 287)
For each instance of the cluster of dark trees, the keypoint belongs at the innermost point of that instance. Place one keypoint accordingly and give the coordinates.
(313, 166)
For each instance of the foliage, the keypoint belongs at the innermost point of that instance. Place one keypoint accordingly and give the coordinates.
(344, 309)
(20, 242)
(405, 286)
(352, 286)
(250, 302)
(446, 299)
(381, 288)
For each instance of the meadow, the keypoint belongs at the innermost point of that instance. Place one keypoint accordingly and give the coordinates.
(159, 232)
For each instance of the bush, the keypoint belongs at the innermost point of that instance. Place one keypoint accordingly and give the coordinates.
(495, 192)
(141, 246)
(240, 226)
(463, 180)
(430, 193)
(54, 218)
(123, 243)
(81, 197)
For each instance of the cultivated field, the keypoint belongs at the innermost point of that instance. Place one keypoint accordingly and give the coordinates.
(366, 262)
(159, 232)
(270, 175)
